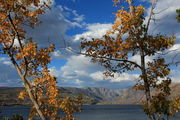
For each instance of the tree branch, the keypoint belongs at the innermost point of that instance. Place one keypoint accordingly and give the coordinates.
(150, 17)
(23, 75)
(107, 58)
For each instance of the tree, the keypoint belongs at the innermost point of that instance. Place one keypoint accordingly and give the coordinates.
(30, 60)
(129, 37)
(178, 16)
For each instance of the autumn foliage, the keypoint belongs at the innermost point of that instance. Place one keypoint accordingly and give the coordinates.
(129, 37)
(31, 60)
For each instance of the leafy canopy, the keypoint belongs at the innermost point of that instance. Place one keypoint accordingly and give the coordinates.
(31, 60)
(129, 37)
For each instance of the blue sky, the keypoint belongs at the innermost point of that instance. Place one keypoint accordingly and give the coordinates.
(94, 11)
(70, 20)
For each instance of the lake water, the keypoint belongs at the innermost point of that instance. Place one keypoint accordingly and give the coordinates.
(91, 112)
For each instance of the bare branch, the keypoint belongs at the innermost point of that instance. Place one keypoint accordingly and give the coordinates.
(150, 16)
(107, 58)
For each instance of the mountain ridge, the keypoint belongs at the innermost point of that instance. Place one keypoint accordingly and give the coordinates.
(91, 95)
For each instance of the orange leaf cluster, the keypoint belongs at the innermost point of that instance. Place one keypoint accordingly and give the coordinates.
(30, 60)
(129, 37)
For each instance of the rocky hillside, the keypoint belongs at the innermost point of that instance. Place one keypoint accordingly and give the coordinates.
(91, 95)
(130, 96)
(99, 94)
(9, 96)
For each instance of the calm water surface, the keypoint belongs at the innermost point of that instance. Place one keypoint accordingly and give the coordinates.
(91, 112)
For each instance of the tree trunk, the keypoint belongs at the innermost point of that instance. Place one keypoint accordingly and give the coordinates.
(27, 87)
(23, 76)
(146, 85)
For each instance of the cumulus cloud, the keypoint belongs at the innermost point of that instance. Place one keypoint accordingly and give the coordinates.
(137, 59)
(55, 23)
(166, 24)
(165, 18)
(78, 70)
(95, 30)
(99, 76)
(70, 71)
(124, 77)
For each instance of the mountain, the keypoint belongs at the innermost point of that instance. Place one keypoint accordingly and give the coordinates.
(130, 96)
(99, 94)
(9, 96)
(91, 95)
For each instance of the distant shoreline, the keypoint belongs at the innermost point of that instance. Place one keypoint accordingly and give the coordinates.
(91, 95)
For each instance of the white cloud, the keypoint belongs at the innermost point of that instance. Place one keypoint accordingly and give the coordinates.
(78, 70)
(54, 71)
(95, 30)
(165, 22)
(92, 75)
(98, 76)
(172, 55)
(124, 77)
(55, 23)
(79, 63)
(137, 59)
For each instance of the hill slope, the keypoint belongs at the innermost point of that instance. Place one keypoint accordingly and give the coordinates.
(92, 95)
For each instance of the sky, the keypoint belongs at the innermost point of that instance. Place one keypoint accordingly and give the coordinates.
(70, 20)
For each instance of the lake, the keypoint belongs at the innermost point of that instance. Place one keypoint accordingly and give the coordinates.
(91, 112)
